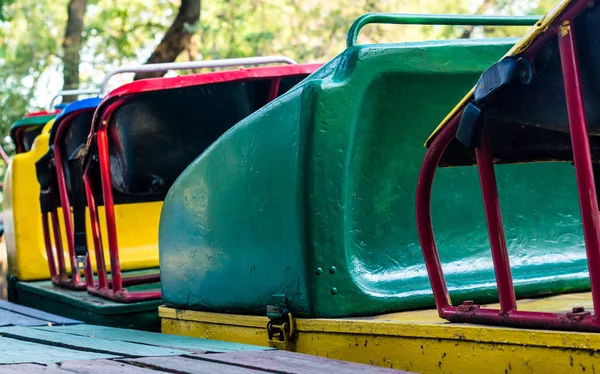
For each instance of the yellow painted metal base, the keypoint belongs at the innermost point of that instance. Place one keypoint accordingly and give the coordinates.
(416, 341)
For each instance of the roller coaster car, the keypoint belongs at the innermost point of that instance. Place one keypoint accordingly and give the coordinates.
(59, 176)
(539, 104)
(146, 133)
(23, 223)
(312, 244)
(25, 130)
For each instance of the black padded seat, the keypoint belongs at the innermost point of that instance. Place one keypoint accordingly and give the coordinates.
(529, 122)
(155, 135)
(74, 138)
(29, 135)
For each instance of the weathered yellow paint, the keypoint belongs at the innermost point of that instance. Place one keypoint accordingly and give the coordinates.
(417, 340)
(137, 224)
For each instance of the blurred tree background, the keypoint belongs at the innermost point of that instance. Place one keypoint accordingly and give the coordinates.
(48, 44)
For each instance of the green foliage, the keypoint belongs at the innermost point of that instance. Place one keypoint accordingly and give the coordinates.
(121, 32)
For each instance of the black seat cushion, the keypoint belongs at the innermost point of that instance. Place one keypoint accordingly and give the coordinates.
(75, 136)
(154, 136)
(529, 123)
(29, 135)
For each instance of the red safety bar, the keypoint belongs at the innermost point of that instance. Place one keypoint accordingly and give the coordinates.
(74, 282)
(508, 315)
(60, 276)
(98, 136)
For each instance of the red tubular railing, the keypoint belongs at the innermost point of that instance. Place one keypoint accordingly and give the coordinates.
(508, 315)
(113, 289)
(491, 202)
(582, 157)
(75, 282)
(60, 276)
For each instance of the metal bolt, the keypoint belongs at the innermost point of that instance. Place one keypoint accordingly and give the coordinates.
(332, 270)
(319, 271)
(578, 309)
(334, 291)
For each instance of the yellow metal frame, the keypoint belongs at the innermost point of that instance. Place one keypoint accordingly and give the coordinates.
(418, 340)
(137, 223)
(539, 28)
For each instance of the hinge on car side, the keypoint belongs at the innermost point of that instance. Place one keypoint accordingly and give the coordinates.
(280, 328)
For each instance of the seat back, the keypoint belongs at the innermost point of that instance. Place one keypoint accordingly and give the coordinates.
(155, 135)
(24, 131)
(23, 223)
(28, 136)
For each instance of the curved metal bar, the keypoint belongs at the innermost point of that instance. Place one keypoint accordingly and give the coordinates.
(435, 19)
(70, 93)
(150, 68)
(423, 214)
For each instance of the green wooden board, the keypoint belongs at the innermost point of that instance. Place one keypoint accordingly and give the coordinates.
(151, 339)
(13, 351)
(8, 318)
(88, 342)
(13, 314)
(99, 350)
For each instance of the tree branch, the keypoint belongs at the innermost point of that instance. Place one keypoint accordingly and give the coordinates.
(177, 38)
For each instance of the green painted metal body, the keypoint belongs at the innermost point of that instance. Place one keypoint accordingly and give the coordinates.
(43, 295)
(312, 198)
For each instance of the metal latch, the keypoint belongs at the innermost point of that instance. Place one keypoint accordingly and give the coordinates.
(280, 328)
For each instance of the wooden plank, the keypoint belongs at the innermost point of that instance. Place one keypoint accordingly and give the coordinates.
(154, 339)
(14, 351)
(86, 343)
(30, 369)
(293, 363)
(37, 314)
(188, 365)
(8, 318)
(102, 367)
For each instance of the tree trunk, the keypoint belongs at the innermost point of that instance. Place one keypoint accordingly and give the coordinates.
(487, 4)
(178, 37)
(72, 46)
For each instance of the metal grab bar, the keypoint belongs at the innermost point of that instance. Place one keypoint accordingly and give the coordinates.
(150, 68)
(435, 19)
(70, 93)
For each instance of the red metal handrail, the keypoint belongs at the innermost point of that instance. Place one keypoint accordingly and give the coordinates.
(579, 319)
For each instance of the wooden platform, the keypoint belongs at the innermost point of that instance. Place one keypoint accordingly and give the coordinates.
(18, 315)
(36, 342)
(80, 305)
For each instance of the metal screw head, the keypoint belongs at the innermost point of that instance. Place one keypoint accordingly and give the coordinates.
(319, 271)
(332, 270)
(334, 291)
(578, 309)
